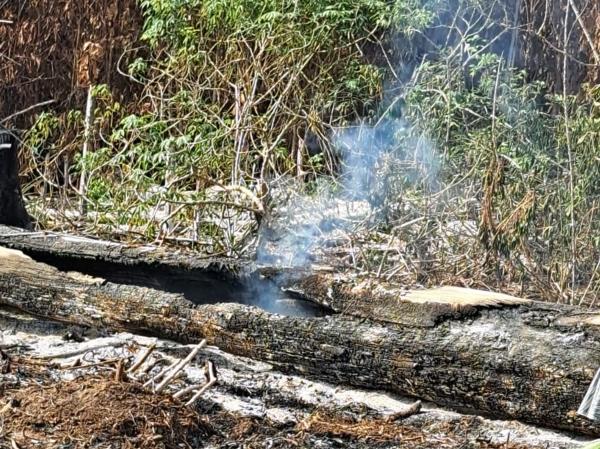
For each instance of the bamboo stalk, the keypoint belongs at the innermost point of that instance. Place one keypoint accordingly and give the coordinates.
(89, 118)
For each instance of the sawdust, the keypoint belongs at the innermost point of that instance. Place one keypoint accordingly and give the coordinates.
(98, 412)
(381, 431)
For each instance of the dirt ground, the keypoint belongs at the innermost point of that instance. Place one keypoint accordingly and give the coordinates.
(97, 411)
(101, 413)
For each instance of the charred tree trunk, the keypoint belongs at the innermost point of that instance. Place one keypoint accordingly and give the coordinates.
(12, 209)
(512, 359)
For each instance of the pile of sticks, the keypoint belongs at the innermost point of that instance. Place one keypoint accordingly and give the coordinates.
(142, 368)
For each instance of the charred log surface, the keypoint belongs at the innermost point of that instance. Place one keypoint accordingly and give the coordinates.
(199, 280)
(387, 303)
(56, 247)
(12, 209)
(253, 389)
(529, 361)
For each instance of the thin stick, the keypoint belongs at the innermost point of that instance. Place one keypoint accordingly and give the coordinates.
(212, 379)
(571, 164)
(65, 355)
(149, 367)
(90, 365)
(587, 289)
(161, 373)
(119, 372)
(586, 33)
(26, 110)
(180, 366)
(89, 119)
(412, 409)
(142, 359)
(185, 391)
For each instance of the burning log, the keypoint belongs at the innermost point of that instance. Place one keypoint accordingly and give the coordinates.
(12, 209)
(313, 411)
(493, 355)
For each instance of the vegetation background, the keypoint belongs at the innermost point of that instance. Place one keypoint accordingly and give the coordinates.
(475, 125)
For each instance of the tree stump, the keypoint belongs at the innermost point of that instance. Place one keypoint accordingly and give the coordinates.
(12, 208)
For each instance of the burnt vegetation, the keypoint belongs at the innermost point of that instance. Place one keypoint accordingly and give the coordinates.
(469, 127)
(316, 159)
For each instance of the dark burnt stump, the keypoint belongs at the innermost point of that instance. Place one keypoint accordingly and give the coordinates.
(12, 209)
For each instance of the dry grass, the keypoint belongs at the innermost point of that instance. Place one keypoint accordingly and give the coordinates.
(377, 432)
(96, 412)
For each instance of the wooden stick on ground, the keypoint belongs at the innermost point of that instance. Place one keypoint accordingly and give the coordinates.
(212, 379)
(186, 390)
(119, 372)
(180, 366)
(142, 359)
(413, 409)
(146, 369)
(162, 373)
(76, 365)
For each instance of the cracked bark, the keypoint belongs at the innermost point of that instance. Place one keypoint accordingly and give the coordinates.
(528, 361)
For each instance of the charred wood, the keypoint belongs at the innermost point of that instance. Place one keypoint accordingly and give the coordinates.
(503, 358)
(12, 208)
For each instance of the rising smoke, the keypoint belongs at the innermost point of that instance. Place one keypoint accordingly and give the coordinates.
(381, 160)
(378, 161)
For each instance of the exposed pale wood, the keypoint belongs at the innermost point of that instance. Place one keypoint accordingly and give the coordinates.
(459, 297)
(530, 361)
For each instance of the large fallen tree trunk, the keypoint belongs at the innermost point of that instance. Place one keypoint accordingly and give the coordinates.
(252, 389)
(495, 356)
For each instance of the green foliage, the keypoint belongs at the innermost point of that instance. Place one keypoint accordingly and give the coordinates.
(593, 445)
(500, 139)
(233, 91)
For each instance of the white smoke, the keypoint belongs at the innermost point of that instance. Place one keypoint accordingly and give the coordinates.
(377, 163)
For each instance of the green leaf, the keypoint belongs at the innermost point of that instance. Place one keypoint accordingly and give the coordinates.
(593, 445)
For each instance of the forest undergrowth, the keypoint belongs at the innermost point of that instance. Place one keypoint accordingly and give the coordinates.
(471, 171)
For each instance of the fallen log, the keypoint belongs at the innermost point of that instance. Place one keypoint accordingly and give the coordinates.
(202, 280)
(12, 208)
(252, 389)
(501, 357)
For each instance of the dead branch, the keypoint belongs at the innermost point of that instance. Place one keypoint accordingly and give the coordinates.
(180, 366)
(26, 110)
(142, 359)
(212, 379)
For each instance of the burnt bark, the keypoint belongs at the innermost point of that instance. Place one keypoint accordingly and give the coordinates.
(528, 361)
(12, 208)
(253, 389)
